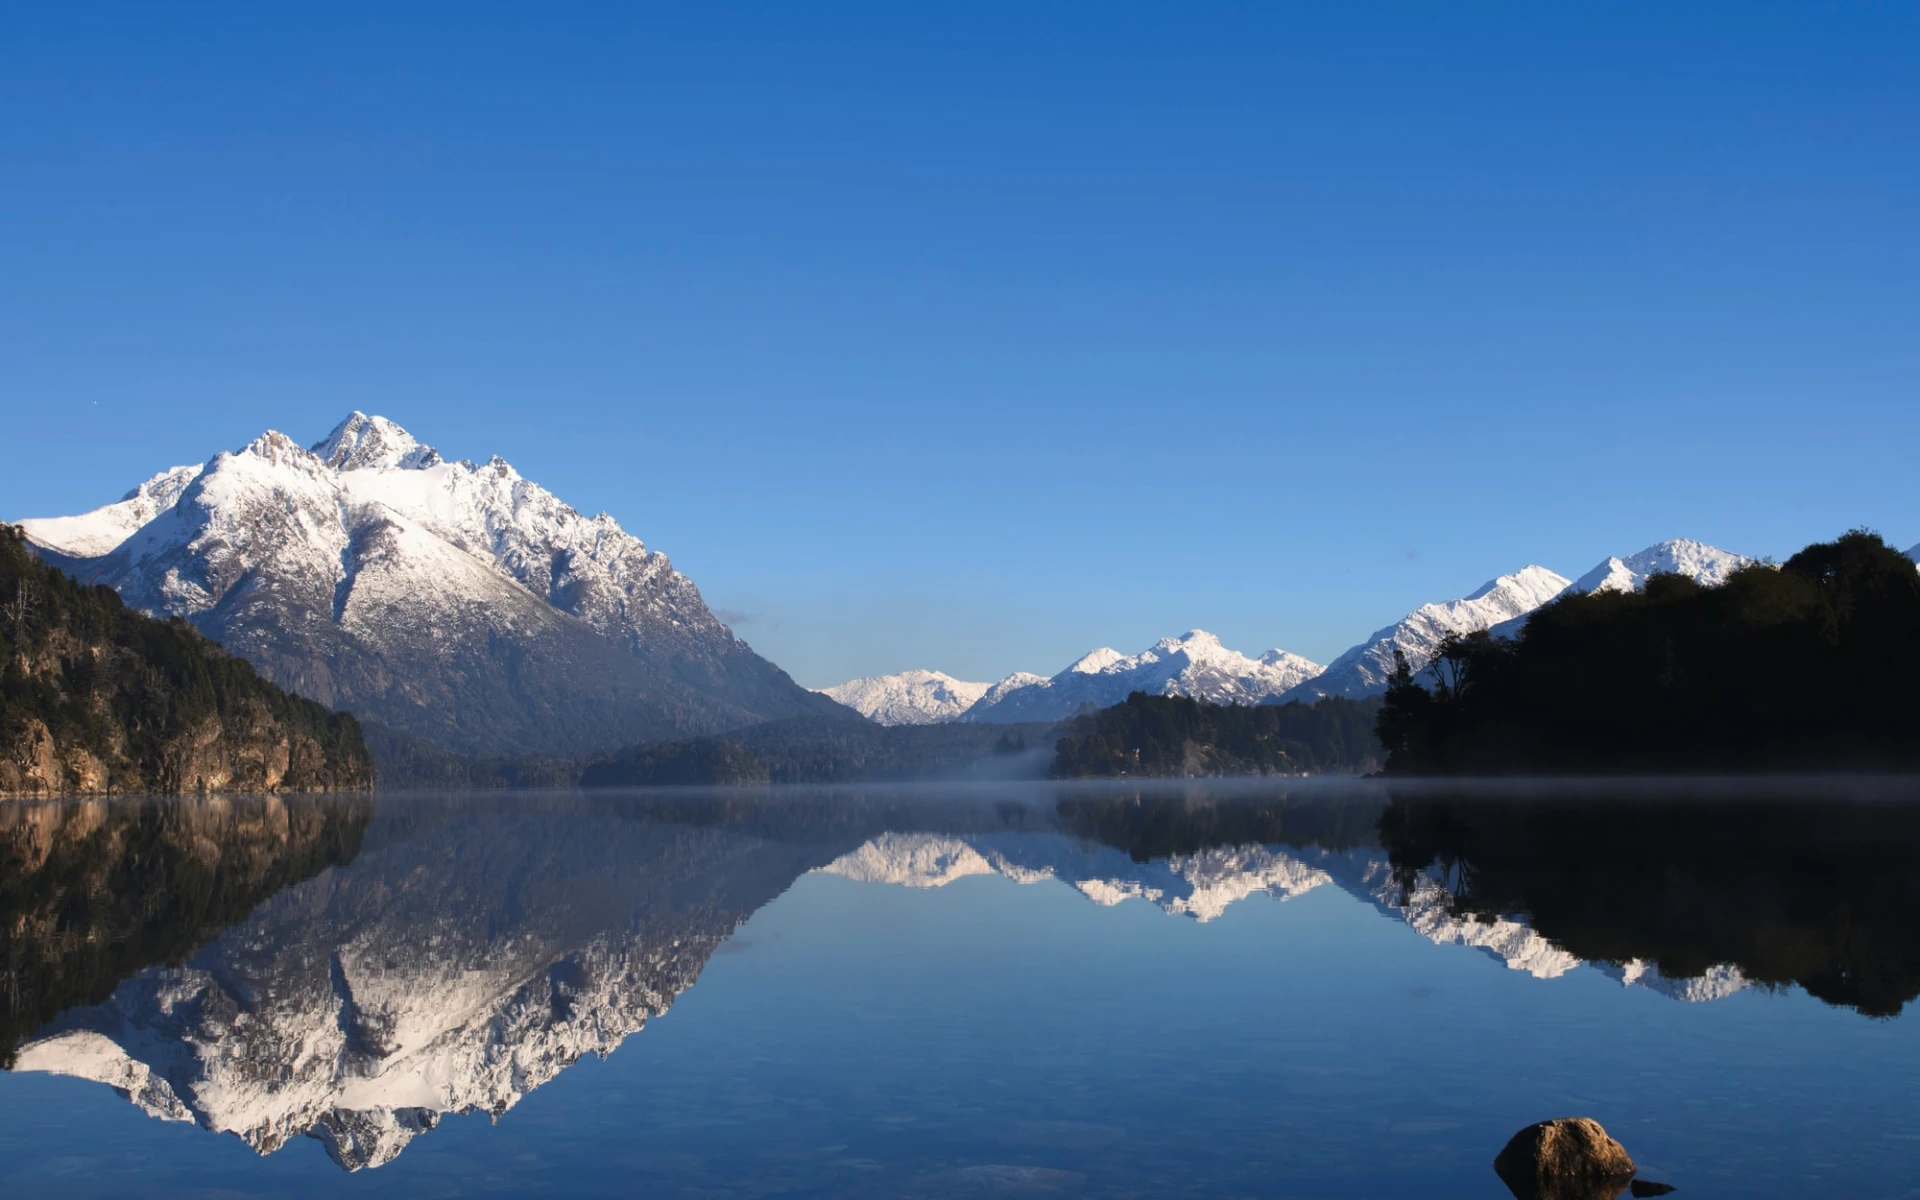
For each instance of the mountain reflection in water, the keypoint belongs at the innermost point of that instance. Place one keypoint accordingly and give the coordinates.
(353, 969)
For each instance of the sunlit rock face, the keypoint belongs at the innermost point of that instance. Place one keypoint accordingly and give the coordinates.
(452, 969)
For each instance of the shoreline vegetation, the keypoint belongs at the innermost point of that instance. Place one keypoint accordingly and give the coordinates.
(97, 699)
(1813, 665)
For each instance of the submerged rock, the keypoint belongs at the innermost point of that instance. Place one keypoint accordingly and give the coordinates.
(1570, 1158)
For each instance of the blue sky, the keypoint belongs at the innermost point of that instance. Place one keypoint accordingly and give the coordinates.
(971, 336)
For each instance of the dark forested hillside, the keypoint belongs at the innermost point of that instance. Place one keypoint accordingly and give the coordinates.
(677, 764)
(1172, 736)
(833, 750)
(1814, 665)
(98, 698)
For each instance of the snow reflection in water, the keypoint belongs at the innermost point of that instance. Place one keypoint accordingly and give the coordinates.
(418, 957)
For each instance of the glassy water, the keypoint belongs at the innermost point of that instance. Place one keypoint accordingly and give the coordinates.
(1317, 991)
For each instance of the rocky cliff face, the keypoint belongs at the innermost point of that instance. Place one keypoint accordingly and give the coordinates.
(96, 698)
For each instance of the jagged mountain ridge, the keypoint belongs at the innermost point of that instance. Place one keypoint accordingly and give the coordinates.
(455, 601)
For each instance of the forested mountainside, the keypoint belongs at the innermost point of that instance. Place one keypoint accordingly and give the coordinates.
(1808, 666)
(97, 698)
(1174, 737)
(833, 750)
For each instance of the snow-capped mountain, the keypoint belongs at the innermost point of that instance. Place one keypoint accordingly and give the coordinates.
(1197, 665)
(457, 600)
(1710, 565)
(908, 698)
(1364, 669)
(1194, 664)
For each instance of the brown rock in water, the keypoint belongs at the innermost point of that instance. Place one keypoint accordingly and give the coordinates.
(1570, 1158)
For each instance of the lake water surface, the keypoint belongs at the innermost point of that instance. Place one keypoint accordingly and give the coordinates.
(1245, 990)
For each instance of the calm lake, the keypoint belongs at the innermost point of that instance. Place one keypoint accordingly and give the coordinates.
(1336, 990)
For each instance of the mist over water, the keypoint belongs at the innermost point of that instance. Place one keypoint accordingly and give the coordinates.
(1317, 987)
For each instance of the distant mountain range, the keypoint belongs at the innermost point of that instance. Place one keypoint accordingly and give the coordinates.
(909, 698)
(1194, 664)
(1197, 665)
(451, 600)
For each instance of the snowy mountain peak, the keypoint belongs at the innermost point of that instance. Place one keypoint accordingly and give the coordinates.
(368, 573)
(279, 450)
(1095, 661)
(362, 442)
(1194, 664)
(1193, 640)
(1530, 583)
(1009, 685)
(907, 698)
(1710, 565)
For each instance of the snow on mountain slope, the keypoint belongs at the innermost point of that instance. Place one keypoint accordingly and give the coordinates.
(458, 601)
(1007, 686)
(908, 698)
(1914, 554)
(1194, 664)
(1696, 560)
(95, 533)
(1710, 565)
(1363, 670)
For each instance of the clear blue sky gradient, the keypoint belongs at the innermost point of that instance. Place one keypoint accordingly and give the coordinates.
(971, 336)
